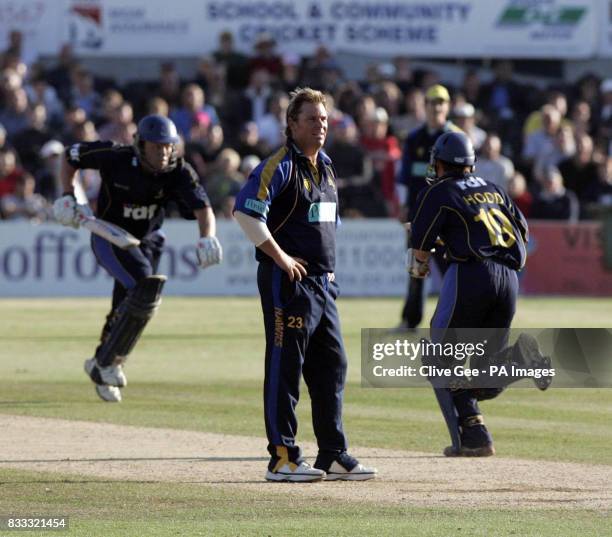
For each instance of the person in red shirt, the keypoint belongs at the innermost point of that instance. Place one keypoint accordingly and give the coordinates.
(384, 150)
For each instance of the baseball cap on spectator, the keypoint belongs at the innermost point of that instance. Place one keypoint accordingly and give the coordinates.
(463, 110)
(606, 86)
(437, 91)
(51, 148)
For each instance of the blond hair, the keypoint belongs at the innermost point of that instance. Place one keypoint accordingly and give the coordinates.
(297, 98)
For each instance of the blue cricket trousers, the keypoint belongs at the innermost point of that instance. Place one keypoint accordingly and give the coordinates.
(476, 294)
(302, 337)
(129, 266)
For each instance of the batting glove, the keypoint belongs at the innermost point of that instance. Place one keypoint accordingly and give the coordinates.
(65, 211)
(416, 268)
(209, 251)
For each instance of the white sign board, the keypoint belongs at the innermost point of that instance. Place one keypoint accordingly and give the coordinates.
(435, 28)
(50, 260)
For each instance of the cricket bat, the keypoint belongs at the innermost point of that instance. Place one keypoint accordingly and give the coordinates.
(111, 232)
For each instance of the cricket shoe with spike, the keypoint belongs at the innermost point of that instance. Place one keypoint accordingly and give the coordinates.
(530, 355)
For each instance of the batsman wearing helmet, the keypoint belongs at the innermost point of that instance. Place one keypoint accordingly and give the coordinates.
(485, 236)
(137, 182)
(289, 210)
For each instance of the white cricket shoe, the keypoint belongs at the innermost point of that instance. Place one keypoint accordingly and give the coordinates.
(295, 473)
(110, 394)
(111, 375)
(346, 468)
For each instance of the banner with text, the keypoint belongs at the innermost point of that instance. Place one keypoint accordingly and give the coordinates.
(438, 28)
(50, 260)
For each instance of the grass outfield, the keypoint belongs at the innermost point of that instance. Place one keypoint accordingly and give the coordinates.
(200, 367)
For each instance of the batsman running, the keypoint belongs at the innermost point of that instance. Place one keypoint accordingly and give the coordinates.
(485, 236)
(137, 182)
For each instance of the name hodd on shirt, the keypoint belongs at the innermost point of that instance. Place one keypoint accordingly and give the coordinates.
(474, 219)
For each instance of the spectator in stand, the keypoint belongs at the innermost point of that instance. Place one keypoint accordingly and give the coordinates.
(291, 72)
(83, 93)
(40, 92)
(600, 192)
(14, 116)
(73, 115)
(111, 99)
(60, 76)
(193, 105)
(581, 118)
(404, 77)
(24, 203)
(236, 65)
(266, 58)
(580, 172)
(554, 201)
(464, 116)
(353, 171)
(365, 108)
(250, 105)
(605, 115)
(169, 86)
(471, 89)
(321, 71)
(389, 97)
(518, 191)
(502, 97)
(225, 180)
(272, 125)
(3, 140)
(563, 146)
(121, 129)
(159, 106)
(413, 114)
(47, 177)
(249, 142)
(540, 142)
(30, 140)
(554, 98)
(10, 173)
(384, 151)
(497, 168)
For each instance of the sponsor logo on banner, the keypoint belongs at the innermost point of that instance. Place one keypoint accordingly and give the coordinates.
(85, 25)
(545, 19)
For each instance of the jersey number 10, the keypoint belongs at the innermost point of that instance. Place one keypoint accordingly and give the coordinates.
(498, 226)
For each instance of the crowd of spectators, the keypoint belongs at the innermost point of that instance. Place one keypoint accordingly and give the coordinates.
(550, 149)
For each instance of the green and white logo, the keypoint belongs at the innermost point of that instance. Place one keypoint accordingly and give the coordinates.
(521, 13)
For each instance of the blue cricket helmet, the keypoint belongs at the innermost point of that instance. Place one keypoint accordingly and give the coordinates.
(158, 129)
(453, 148)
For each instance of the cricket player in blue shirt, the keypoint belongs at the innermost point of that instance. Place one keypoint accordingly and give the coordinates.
(289, 210)
(485, 237)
